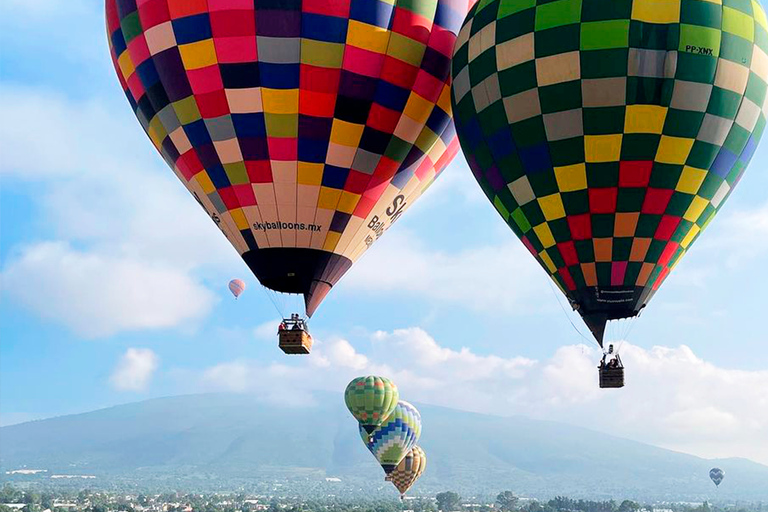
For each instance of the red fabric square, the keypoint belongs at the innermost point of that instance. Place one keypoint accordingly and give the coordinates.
(153, 13)
(581, 226)
(364, 206)
(357, 182)
(230, 5)
(113, 18)
(188, 164)
(427, 86)
(259, 171)
(662, 276)
(669, 251)
(212, 104)
(136, 86)
(232, 23)
(283, 148)
(338, 8)
(182, 8)
(602, 200)
(528, 245)
(229, 198)
(233, 50)
(363, 62)
(565, 275)
(442, 40)
(244, 194)
(411, 25)
(398, 72)
(383, 119)
(138, 50)
(205, 80)
(656, 200)
(635, 174)
(316, 104)
(424, 168)
(568, 252)
(667, 227)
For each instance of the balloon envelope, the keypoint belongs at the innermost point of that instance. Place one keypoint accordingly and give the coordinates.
(717, 475)
(399, 432)
(608, 135)
(370, 400)
(303, 128)
(236, 286)
(409, 470)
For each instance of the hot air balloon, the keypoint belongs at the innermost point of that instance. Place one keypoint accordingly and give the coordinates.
(303, 128)
(717, 475)
(395, 437)
(608, 135)
(236, 286)
(371, 400)
(409, 470)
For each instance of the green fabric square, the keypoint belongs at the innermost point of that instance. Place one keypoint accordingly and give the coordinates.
(424, 8)
(736, 49)
(603, 174)
(515, 25)
(644, 90)
(735, 173)
(529, 132)
(655, 250)
(585, 250)
(693, 67)
(757, 133)
(499, 205)
(186, 110)
(709, 211)
(736, 140)
(484, 17)
(630, 199)
(622, 248)
(650, 36)
(561, 232)
(755, 89)
(744, 6)
(646, 226)
(556, 258)
(702, 155)
(237, 173)
(602, 35)
(560, 97)
(520, 220)
(558, 13)
(543, 184)
(699, 40)
(397, 149)
(465, 109)
(460, 58)
(697, 12)
(518, 79)
(482, 67)
(613, 10)
(682, 123)
(633, 271)
(665, 175)
(679, 203)
(131, 26)
(604, 63)
(603, 120)
(576, 202)
(602, 225)
(482, 154)
(761, 37)
(566, 152)
(511, 168)
(603, 271)
(639, 146)
(682, 231)
(577, 275)
(724, 103)
(533, 213)
(507, 7)
(557, 40)
(493, 119)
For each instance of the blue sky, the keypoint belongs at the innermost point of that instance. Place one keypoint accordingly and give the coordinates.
(114, 284)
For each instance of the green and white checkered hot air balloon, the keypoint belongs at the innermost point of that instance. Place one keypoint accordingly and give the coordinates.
(371, 399)
(395, 437)
(608, 134)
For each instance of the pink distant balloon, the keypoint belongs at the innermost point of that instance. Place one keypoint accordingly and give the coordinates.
(236, 286)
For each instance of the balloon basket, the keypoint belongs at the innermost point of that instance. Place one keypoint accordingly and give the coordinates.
(611, 377)
(295, 341)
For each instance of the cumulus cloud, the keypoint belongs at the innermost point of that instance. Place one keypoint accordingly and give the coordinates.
(135, 369)
(504, 277)
(694, 406)
(98, 295)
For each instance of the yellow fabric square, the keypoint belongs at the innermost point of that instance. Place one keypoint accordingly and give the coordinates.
(690, 236)
(205, 182)
(545, 235)
(644, 119)
(280, 101)
(239, 217)
(125, 63)
(198, 55)
(673, 150)
(759, 14)
(738, 23)
(602, 148)
(321, 53)
(418, 108)
(368, 37)
(331, 240)
(548, 262)
(328, 198)
(347, 202)
(571, 177)
(552, 206)
(405, 49)
(690, 180)
(444, 101)
(309, 174)
(156, 131)
(695, 209)
(346, 134)
(656, 11)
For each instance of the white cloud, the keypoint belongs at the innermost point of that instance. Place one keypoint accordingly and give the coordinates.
(98, 295)
(503, 277)
(135, 369)
(672, 398)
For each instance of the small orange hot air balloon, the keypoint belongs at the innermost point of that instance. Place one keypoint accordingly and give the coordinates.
(236, 286)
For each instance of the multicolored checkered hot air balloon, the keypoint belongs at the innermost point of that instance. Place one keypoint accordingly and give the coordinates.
(395, 437)
(409, 470)
(237, 287)
(609, 134)
(370, 400)
(305, 128)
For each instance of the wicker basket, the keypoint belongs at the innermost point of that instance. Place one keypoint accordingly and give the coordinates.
(611, 377)
(295, 341)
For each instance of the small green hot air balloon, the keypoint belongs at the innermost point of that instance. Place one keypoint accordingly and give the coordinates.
(371, 399)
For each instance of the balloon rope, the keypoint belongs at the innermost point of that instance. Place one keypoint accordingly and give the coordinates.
(557, 298)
